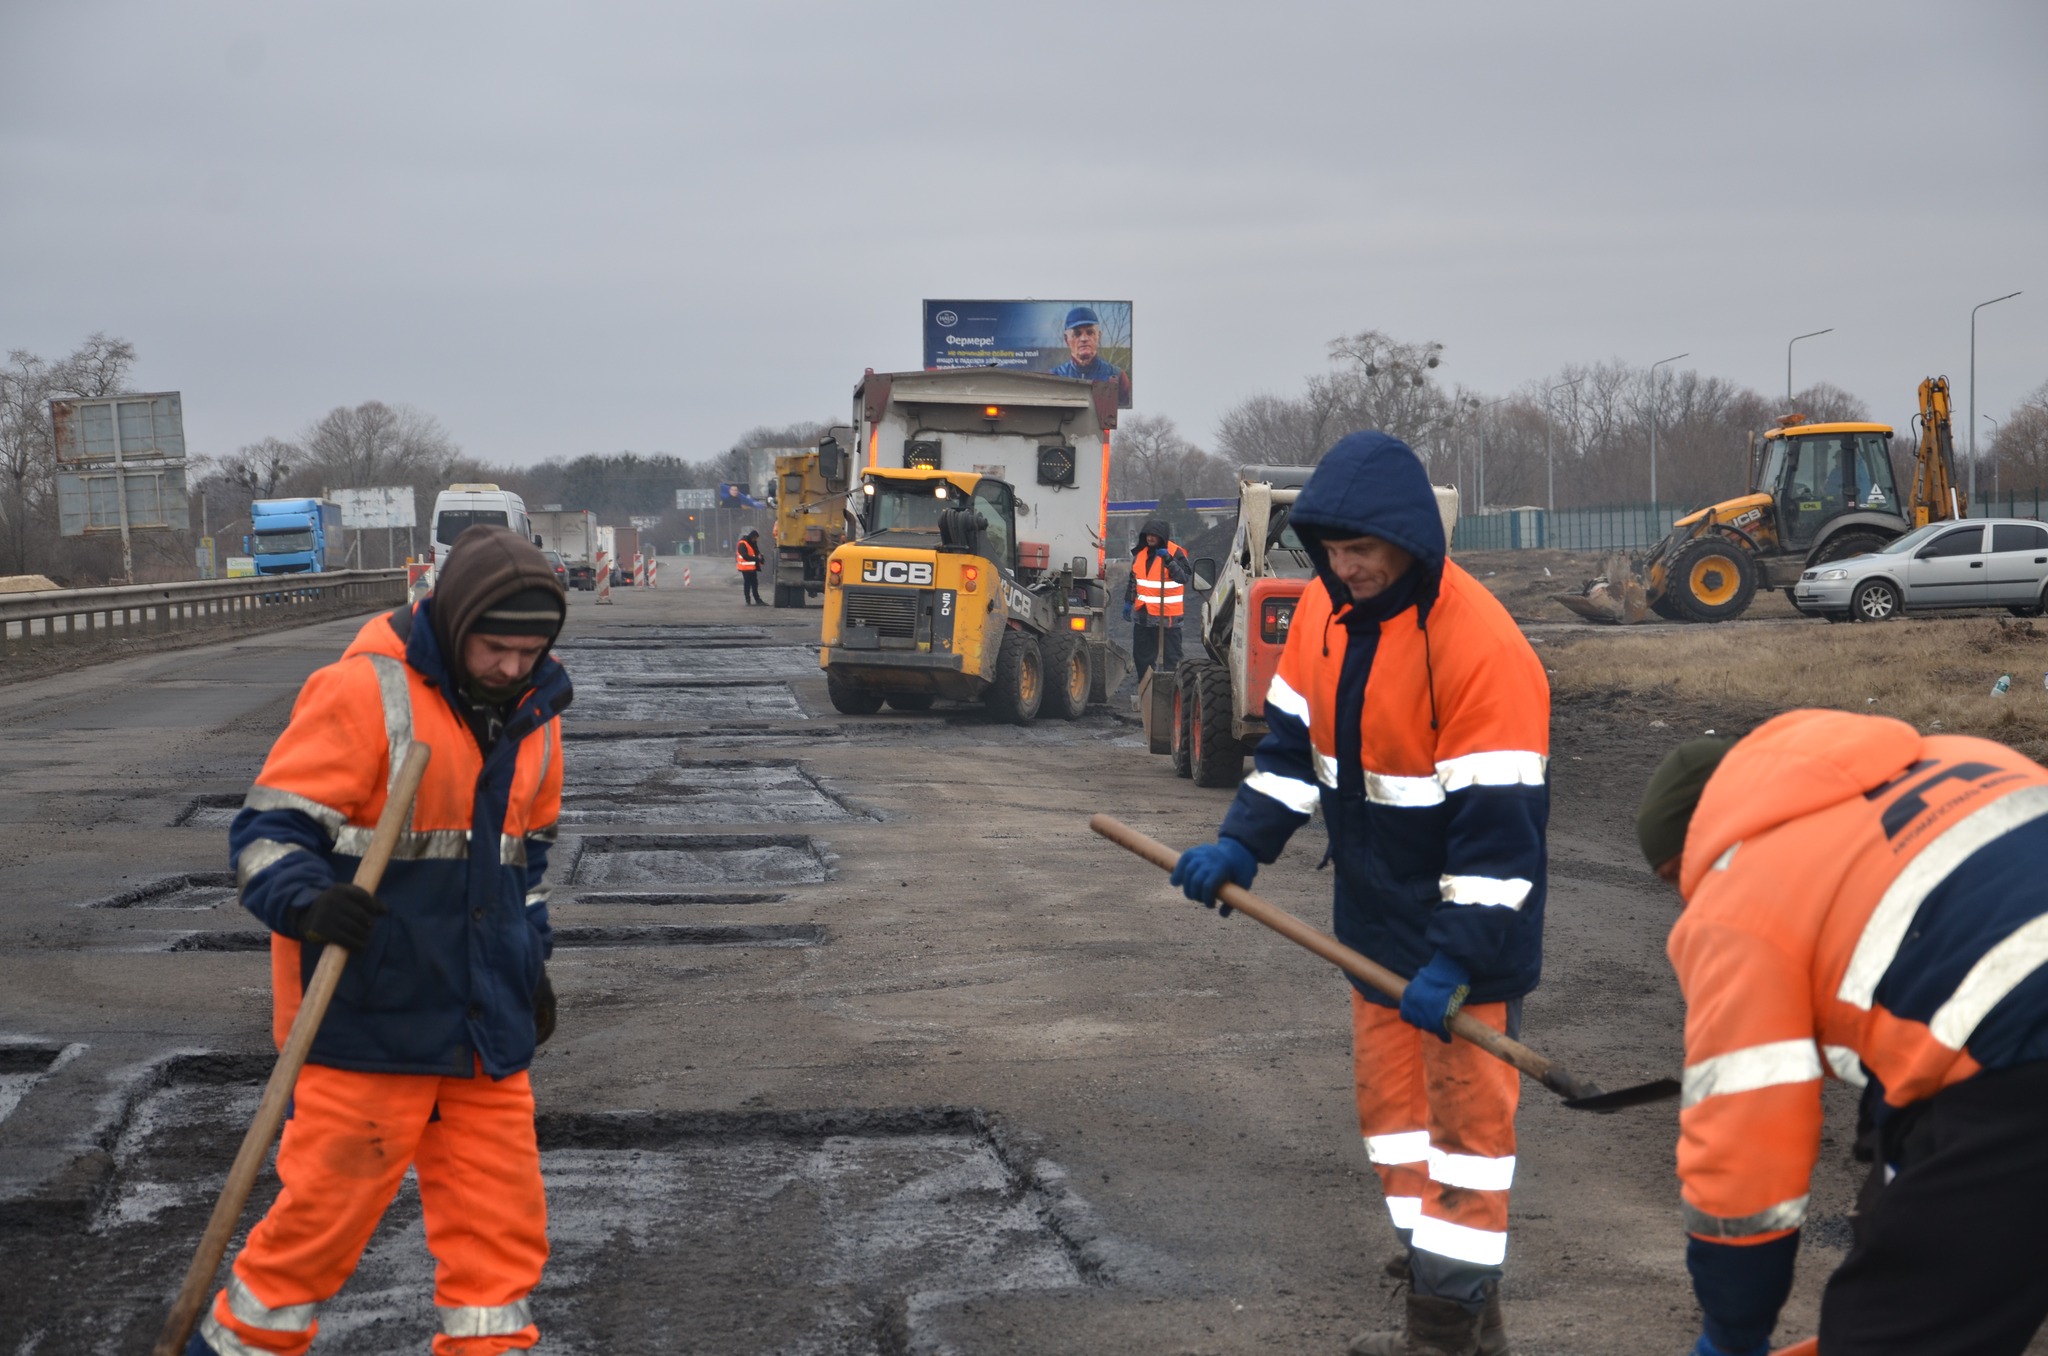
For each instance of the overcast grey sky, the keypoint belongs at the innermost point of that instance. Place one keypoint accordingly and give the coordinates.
(565, 229)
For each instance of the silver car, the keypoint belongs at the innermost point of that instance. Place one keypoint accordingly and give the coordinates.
(1985, 562)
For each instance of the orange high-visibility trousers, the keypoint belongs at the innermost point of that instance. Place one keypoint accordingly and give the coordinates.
(1439, 1127)
(347, 1145)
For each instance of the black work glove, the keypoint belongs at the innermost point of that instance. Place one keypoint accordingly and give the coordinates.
(341, 915)
(543, 1010)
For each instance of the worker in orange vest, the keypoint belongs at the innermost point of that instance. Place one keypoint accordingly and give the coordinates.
(1155, 598)
(1409, 707)
(749, 562)
(422, 1060)
(1865, 903)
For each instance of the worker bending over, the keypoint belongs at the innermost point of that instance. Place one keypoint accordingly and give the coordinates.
(1867, 903)
(1409, 704)
(422, 1059)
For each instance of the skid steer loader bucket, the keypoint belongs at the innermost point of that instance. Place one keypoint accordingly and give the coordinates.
(1618, 596)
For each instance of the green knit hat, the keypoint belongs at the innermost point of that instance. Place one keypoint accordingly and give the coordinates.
(1674, 793)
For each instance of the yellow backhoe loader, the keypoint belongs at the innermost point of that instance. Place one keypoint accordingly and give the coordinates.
(1817, 492)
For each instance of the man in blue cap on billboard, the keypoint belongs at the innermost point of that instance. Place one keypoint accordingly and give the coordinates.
(1083, 333)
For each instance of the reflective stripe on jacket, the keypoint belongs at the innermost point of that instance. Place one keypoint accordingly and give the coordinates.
(1158, 587)
(1863, 902)
(1436, 799)
(748, 556)
(449, 973)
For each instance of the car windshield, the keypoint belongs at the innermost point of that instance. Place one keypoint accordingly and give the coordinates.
(1912, 540)
(452, 523)
(281, 543)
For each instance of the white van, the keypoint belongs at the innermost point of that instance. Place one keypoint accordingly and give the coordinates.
(461, 507)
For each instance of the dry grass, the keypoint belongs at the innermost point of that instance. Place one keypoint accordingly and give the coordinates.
(1936, 674)
(1517, 578)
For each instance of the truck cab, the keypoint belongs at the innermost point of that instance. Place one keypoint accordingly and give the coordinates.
(295, 536)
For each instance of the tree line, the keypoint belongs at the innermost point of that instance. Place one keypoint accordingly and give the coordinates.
(1581, 433)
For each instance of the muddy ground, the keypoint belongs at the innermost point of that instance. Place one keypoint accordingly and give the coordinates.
(867, 1044)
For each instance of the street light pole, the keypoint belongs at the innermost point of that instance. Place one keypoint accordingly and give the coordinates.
(1653, 424)
(1788, 360)
(1480, 415)
(1973, 386)
(1994, 457)
(1549, 462)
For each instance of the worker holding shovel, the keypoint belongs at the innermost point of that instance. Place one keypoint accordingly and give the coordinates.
(1866, 903)
(1409, 705)
(422, 1058)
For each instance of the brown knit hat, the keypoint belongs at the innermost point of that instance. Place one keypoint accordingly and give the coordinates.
(493, 570)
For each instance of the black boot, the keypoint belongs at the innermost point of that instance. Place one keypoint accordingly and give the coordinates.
(1434, 1327)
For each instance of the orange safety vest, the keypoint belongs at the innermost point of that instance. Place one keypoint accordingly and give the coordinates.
(1156, 591)
(749, 556)
(1804, 950)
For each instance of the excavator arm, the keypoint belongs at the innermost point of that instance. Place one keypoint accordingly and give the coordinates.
(1936, 495)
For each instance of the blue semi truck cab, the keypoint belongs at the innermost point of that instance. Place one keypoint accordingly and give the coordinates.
(295, 536)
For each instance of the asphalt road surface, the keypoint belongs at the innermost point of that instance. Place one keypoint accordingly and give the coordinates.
(867, 1044)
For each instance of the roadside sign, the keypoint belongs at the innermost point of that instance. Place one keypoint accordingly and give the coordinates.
(696, 499)
(384, 506)
(88, 501)
(119, 428)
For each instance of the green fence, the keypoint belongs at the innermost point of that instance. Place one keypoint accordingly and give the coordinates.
(1617, 527)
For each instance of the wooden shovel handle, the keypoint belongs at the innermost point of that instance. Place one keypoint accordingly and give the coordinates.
(298, 1043)
(1350, 962)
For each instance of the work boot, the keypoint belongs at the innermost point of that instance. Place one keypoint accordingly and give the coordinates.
(1397, 1264)
(1493, 1328)
(1435, 1327)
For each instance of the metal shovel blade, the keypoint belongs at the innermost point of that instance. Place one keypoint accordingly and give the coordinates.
(1657, 1091)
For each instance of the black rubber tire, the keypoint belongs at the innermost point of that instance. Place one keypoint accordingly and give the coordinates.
(1875, 600)
(1834, 617)
(1183, 720)
(910, 701)
(1845, 544)
(2019, 611)
(1216, 757)
(1719, 560)
(1069, 675)
(849, 700)
(1667, 607)
(1019, 687)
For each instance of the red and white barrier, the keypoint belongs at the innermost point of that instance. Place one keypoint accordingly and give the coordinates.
(686, 576)
(653, 568)
(604, 577)
(639, 569)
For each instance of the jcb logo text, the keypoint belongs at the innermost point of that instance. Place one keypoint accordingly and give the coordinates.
(896, 572)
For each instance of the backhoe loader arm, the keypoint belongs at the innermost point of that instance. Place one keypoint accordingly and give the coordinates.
(1936, 495)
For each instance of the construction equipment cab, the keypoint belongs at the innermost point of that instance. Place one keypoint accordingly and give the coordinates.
(976, 572)
(810, 516)
(1818, 493)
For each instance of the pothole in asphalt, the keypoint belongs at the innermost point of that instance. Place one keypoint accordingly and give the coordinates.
(713, 700)
(573, 938)
(739, 1232)
(215, 810)
(191, 891)
(646, 659)
(658, 900)
(22, 1062)
(682, 859)
(716, 791)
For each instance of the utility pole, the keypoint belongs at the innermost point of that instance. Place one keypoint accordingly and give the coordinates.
(1653, 424)
(1549, 463)
(1973, 386)
(1788, 361)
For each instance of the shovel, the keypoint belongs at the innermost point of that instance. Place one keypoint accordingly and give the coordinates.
(298, 1043)
(1578, 1094)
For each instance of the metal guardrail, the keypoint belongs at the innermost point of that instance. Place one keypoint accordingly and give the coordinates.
(66, 616)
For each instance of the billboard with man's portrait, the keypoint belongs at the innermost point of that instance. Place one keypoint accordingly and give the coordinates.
(1086, 339)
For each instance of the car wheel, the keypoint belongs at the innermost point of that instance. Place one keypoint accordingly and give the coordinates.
(1876, 600)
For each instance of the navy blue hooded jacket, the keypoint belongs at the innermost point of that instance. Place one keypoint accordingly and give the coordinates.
(448, 976)
(1419, 719)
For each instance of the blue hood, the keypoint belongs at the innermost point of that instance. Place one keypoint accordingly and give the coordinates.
(1371, 485)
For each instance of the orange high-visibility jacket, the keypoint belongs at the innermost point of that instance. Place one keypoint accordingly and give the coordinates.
(1862, 901)
(748, 556)
(1155, 589)
(449, 974)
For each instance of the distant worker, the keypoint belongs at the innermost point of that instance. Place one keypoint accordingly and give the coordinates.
(1155, 598)
(749, 561)
(1083, 335)
(1863, 902)
(1408, 703)
(422, 1060)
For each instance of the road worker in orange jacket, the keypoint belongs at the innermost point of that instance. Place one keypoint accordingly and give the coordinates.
(1408, 704)
(422, 1059)
(1155, 598)
(1866, 903)
(747, 557)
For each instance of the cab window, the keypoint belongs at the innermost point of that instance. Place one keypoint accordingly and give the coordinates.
(992, 498)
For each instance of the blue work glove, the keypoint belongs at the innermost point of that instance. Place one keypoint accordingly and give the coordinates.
(1706, 1348)
(1127, 611)
(1434, 996)
(1201, 871)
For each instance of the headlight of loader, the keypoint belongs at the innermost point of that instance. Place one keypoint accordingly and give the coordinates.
(1834, 574)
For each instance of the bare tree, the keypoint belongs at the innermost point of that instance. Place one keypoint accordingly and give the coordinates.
(2021, 444)
(28, 462)
(376, 444)
(97, 367)
(1149, 459)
